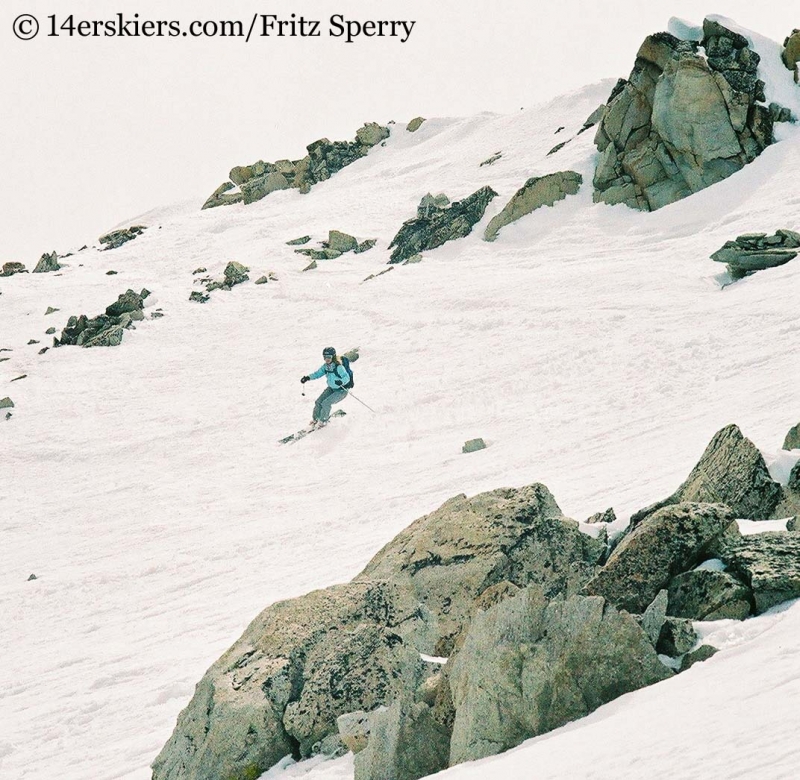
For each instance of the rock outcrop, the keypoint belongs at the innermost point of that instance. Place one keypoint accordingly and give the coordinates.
(440, 225)
(47, 263)
(324, 158)
(105, 330)
(538, 191)
(415, 124)
(689, 115)
(753, 252)
(530, 665)
(731, 471)
(670, 542)
(116, 238)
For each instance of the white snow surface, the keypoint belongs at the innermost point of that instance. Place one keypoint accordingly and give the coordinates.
(594, 348)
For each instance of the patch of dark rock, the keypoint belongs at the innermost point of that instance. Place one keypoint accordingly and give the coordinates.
(50, 310)
(198, 297)
(440, 225)
(43, 350)
(32, 577)
(703, 653)
(111, 273)
(677, 637)
(380, 273)
(17, 378)
(473, 445)
(6, 403)
(116, 238)
(558, 146)
(32, 341)
(414, 124)
(491, 160)
(299, 241)
(198, 271)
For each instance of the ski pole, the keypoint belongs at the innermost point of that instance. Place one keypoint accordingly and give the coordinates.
(350, 393)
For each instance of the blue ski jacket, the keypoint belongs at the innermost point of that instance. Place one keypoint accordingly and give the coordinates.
(332, 373)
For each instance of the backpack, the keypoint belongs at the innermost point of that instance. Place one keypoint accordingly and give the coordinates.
(346, 364)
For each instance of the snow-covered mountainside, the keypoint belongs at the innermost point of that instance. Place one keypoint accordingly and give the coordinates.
(596, 349)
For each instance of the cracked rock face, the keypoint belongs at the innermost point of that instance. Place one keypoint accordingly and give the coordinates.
(688, 117)
(449, 558)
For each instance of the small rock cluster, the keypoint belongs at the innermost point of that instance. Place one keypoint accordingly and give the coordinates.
(324, 158)
(338, 243)
(439, 221)
(234, 273)
(116, 238)
(538, 191)
(489, 621)
(105, 330)
(689, 115)
(753, 252)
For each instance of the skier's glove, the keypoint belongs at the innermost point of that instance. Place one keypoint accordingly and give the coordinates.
(337, 382)
(304, 379)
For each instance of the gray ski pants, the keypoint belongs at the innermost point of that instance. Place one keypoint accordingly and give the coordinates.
(328, 397)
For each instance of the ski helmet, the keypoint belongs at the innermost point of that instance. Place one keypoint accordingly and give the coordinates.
(329, 352)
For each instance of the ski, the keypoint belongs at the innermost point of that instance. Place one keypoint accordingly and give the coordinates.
(303, 432)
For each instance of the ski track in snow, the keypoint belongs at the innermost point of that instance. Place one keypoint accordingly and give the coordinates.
(591, 347)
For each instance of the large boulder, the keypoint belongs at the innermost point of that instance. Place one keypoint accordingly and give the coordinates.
(705, 594)
(529, 665)
(279, 689)
(753, 252)
(449, 558)
(731, 471)
(688, 116)
(671, 541)
(538, 191)
(440, 225)
(769, 563)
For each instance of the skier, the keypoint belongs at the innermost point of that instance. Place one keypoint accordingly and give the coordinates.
(336, 375)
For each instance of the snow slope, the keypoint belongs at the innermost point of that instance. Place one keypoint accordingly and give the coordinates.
(592, 347)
